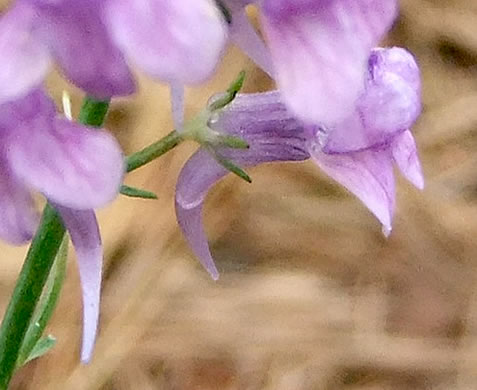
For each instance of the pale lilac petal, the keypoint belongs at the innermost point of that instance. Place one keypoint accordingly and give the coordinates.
(368, 175)
(177, 105)
(70, 164)
(84, 232)
(172, 40)
(390, 104)
(80, 43)
(320, 51)
(243, 34)
(404, 152)
(198, 175)
(18, 218)
(24, 58)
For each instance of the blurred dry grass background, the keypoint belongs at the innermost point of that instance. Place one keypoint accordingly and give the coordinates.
(311, 295)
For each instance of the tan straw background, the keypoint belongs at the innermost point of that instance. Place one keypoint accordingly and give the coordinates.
(311, 295)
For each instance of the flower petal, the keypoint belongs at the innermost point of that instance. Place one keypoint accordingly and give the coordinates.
(368, 175)
(72, 165)
(18, 220)
(25, 59)
(320, 49)
(243, 34)
(198, 175)
(404, 152)
(84, 232)
(389, 106)
(80, 42)
(171, 40)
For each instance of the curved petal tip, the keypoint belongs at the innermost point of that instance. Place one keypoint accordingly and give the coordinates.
(84, 232)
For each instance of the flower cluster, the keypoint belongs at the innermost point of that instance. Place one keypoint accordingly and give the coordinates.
(358, 151)
(340, 101)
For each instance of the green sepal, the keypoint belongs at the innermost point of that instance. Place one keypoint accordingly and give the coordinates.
(231, 142)
(42, 347)
(137, 192)
(230, 94)
(229, 165)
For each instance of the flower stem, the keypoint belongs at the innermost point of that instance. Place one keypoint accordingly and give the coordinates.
(93, 112)
(153, 151)
(28, 289)
(36, 268)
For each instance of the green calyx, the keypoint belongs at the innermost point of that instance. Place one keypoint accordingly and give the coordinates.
(198, 129)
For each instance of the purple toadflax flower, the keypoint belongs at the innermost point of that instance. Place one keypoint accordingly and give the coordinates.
(177, 41)
(358, 151)
(76, 168)
(317, 49)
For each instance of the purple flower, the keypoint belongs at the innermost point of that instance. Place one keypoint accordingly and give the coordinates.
(318, 49)
(76, 168)
(175, 41)
(359, 150)
(273, 135)
(377, 132)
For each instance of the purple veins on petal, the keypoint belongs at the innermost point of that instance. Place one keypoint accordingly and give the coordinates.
(84, 232)
(172, 40)
(320, 49)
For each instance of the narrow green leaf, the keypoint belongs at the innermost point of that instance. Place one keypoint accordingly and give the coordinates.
(41, 348)
(230, 94)
(137, 192)
(229, 165)
(46, 305)
(151, 152)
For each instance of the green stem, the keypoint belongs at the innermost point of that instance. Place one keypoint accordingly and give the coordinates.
(153, 151)
(93, 112)
(28, 289)
(36, 268)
